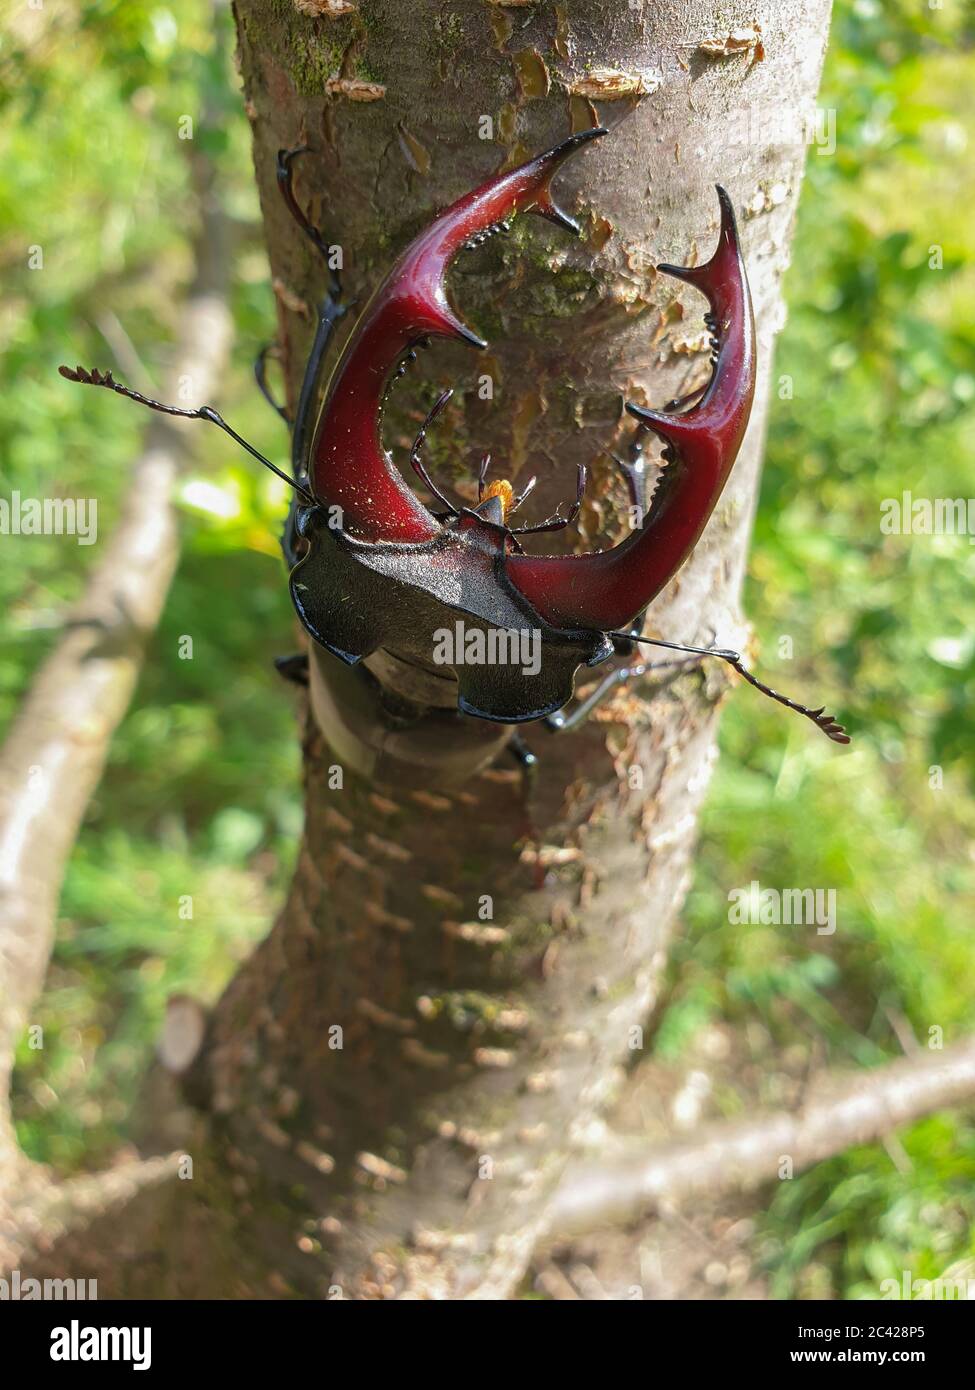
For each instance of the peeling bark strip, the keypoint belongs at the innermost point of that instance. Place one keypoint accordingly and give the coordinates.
(331, 9)
(607, 84)
(440, 1032)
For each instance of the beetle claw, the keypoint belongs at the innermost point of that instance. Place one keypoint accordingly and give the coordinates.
(607, 588)
(349, 467)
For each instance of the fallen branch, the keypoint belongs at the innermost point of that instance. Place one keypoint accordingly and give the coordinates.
(732, 1157)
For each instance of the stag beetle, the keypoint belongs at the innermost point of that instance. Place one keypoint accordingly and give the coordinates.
(377, 578)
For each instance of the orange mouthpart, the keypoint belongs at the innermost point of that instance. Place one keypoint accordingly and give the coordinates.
(503, 489)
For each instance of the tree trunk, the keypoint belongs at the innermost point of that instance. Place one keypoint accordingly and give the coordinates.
(394, 1082)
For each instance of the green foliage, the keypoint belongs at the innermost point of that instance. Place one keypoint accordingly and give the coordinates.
(201, 794)
(880, 354)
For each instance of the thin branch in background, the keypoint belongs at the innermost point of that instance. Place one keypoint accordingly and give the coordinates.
(47, 1211)
(123, 349)
(56, 750)
(732, 1157)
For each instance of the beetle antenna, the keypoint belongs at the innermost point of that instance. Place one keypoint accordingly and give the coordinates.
(419, 468)
(819, 717)
(260, 376)
(205, 412)
(285, 175)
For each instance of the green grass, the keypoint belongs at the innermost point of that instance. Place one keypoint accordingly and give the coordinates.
(881, 351)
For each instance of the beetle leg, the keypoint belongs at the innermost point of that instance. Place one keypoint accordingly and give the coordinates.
(330, 310)
(562, 723)
(524, 757)
(679, 402)
(293, 668)
(260, 376)
(528, 762)
(329, 313)
(482, 476)
(526, 491)
(419, 467)
(626, 646)
(555, 523)
(285, 173)
(634, 470)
